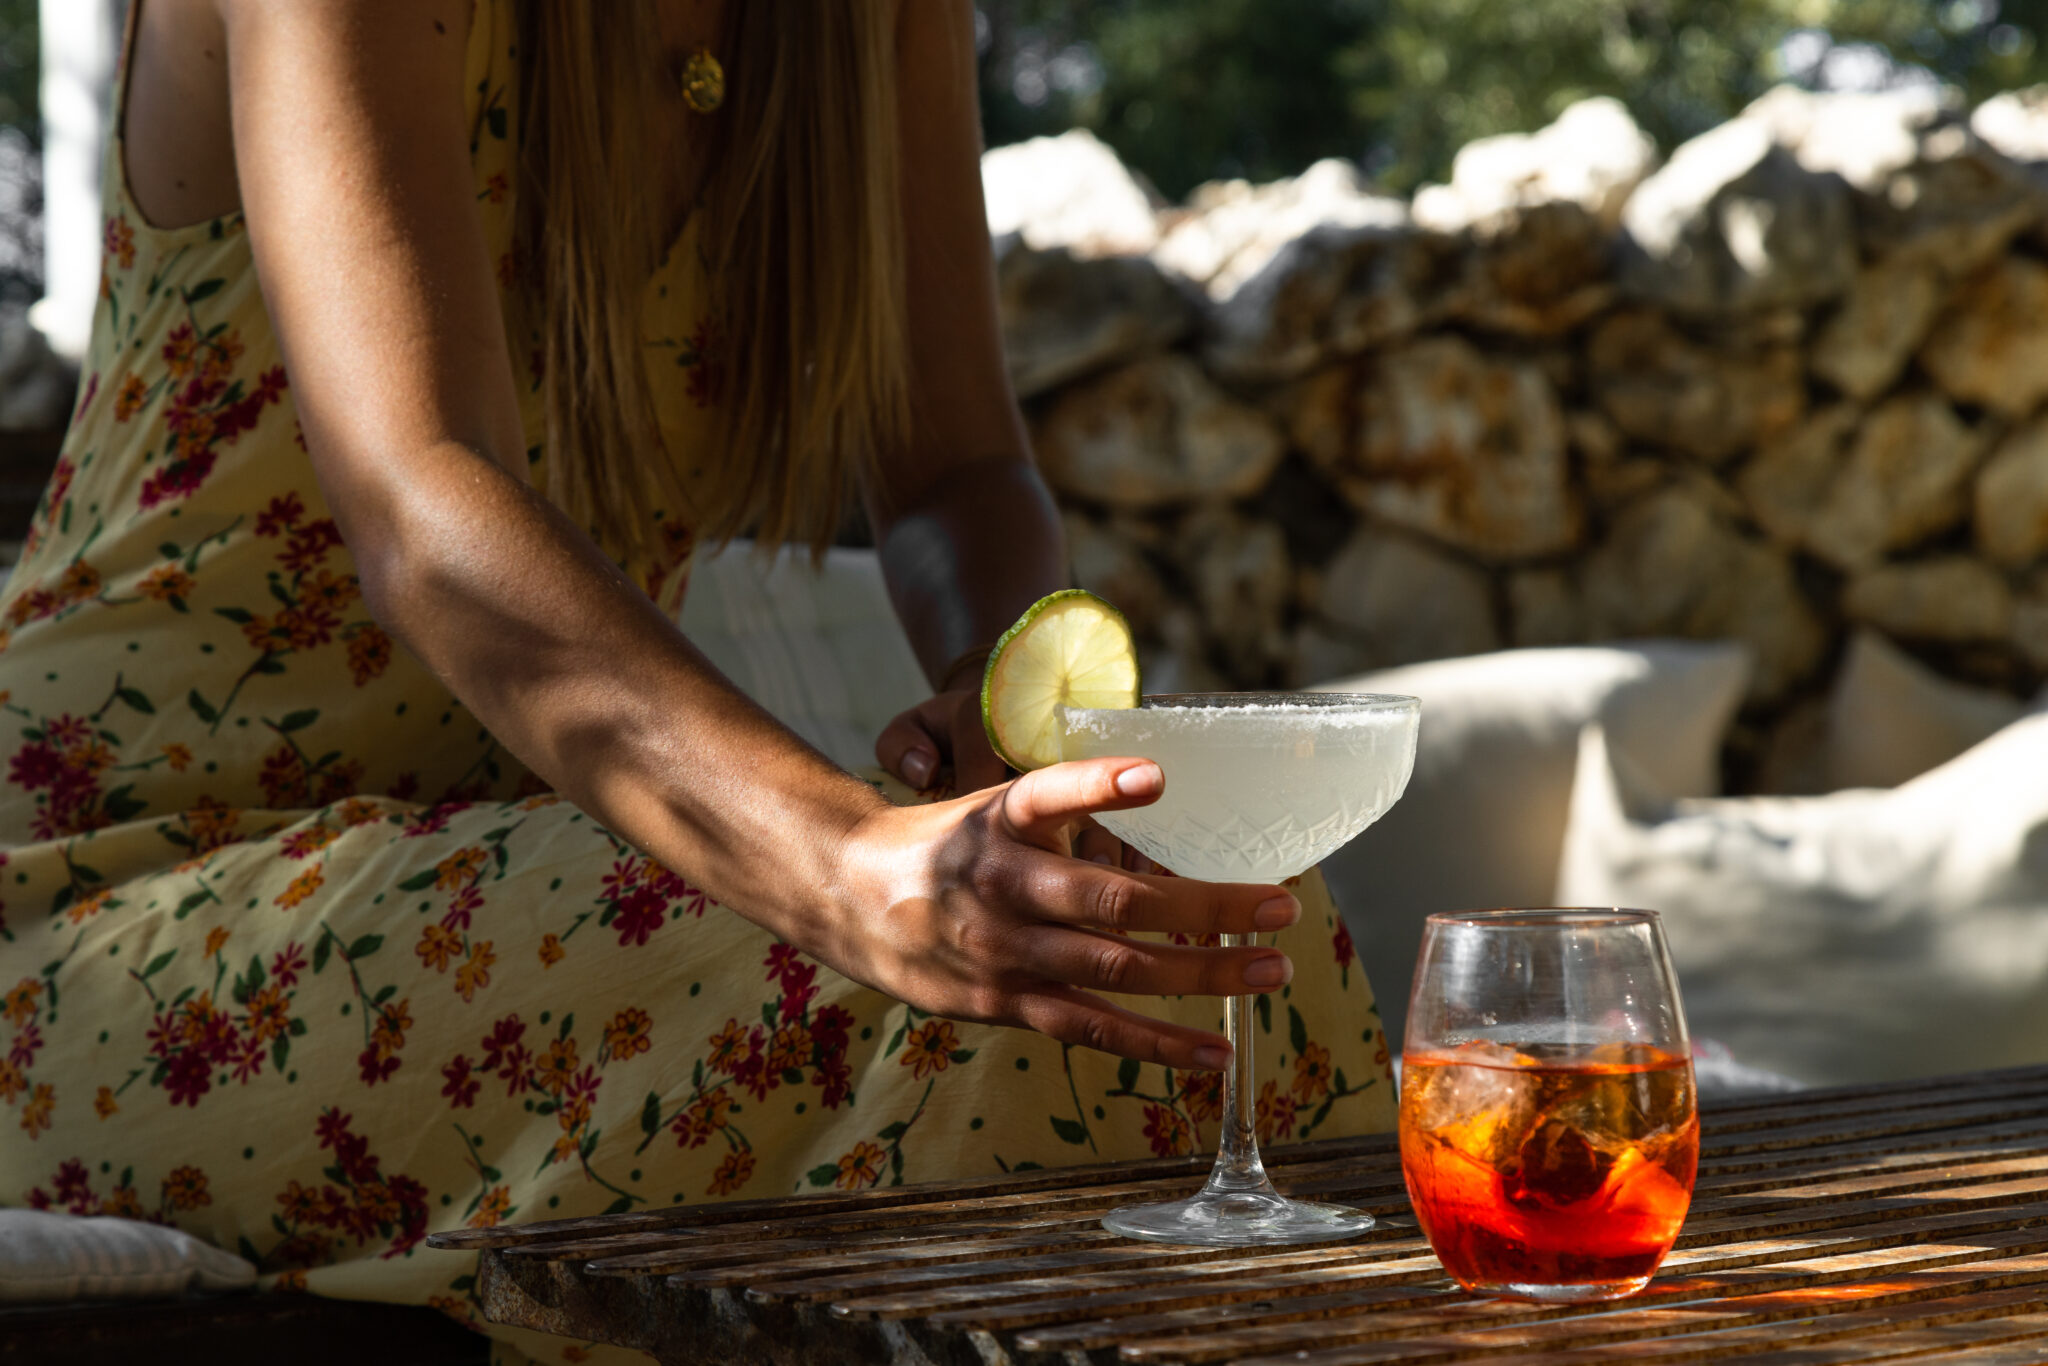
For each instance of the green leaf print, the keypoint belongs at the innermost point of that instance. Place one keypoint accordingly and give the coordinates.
(619, 1206)
(1127, 1074)
(961, 1055)
(169, 550)
(234, 614)
(320, 952)
(890, 1133)
(205, 289)
(135, 698)
(201, 708)
(650, 1114)
(159, 963)
(299, 720)
(122, 804)
(1342, 1085)
(1297, 1031)
(366, 946)
(419, 882)
(768, 1013)
(281, 1050)
(568, 1024)
(1069, 1130)
(496, 121)
(1264, 1007)
(824, 1174)
(191, 903)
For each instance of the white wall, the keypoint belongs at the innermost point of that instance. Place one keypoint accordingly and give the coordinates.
(81, 43)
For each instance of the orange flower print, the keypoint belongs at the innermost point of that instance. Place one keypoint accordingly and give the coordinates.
(12, 1081)
(78, 582)
(388, 1034)
(438, 946)
(216, 939)
(185, 1188)
(630, 1033)
(493, 1208)
(300, 887)
(119, 242)
(358, 811)
(289, 1281)
(705, 1115)
(458, 868)
(553, 1069)
(1275, 1116)
(306, 627)
(732, 1173)
(1311, 1074)
(104, 1104)
(1201, 1095)
(475, 975)
(269, 634)
(369, 653)
(134, 393)
(177, 757)
(212, 823)
(791, 1047)
(166, 582)
(454, 1307)
(332, 591)
(90, 907)
(309, 841)
(269, 1013)
(929, 1048)
(861, 1167)
(123, 1203)
(1168, 1131)
(551, 950)
(496, 188)
(181, 345)
(20, 1005)
(728, 1047)
(35, 1116)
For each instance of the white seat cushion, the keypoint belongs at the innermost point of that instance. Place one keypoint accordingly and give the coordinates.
(1891, 718)
(820, 649)
(1863, 936)
(46, 1257)
(1483, 820)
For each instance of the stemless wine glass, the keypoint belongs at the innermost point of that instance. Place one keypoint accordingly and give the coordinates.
(1259, 787)
(1549, 1133)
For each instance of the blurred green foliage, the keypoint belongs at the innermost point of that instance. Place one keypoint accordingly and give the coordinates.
(1192, 90)
(19, 74)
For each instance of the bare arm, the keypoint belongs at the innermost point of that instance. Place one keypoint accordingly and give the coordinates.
(969, 535)
(353, 164)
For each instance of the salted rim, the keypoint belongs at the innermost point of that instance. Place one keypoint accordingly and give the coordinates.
(1266, 701)
(1547, 917)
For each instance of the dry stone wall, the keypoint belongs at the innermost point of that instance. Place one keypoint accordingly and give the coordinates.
(1788, 382)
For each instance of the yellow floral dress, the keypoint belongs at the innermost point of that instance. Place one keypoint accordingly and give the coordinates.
(295, 956)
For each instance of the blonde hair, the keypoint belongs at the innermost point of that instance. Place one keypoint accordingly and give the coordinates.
(802, 231)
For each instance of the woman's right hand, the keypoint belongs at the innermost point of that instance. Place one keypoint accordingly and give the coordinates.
(974, 909)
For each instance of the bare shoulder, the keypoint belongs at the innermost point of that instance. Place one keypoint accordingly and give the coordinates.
(178, 136)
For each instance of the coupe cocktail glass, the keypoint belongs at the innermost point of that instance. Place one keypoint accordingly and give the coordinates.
(1259, 787)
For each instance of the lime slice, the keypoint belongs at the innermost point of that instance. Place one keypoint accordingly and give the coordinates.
(1070, 647)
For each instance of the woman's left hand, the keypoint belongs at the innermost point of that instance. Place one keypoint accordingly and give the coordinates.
(941, 733)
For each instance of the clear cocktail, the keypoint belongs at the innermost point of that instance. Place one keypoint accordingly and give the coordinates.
(1260, 787)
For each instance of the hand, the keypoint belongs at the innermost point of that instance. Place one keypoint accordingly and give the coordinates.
(975, 909)
(942, 732)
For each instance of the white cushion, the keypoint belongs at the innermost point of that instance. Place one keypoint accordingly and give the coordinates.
(1891, 718)
(1861, 936)
(1482, 822)
(820, 649)
(49, 1257)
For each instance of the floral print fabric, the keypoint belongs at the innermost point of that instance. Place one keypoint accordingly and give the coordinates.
(294, 956)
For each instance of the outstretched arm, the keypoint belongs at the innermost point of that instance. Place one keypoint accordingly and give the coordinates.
(353, 162)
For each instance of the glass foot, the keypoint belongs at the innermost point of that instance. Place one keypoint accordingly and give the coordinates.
(1582, 1292)
(1246, 1219)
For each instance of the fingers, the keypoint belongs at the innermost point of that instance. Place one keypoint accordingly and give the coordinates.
(909, 745)
(975, 765)
(1076, 1017)
(1146, 967)
(1041, 804)
(1091, 896)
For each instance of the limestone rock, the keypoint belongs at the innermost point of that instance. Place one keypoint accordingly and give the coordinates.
(1437, 437)
(1152, 434)
(1400, 601)
(1864, 347)
(1067, 191)
(1674, 564)
(1790, 478)
(1613, 475)
(1064, 315)
(1794, 761)
(1662, 387)
(1541, 276)
(1948, 598)
(1904, 477)
(1243, 583)
(1108, 565)
(1321, 655)
(1733, 223)
(1332, 292)
(1991, 348)
(1544, 608)
(1925, 185)
(2030, 622)
(1232, 228)
(2012, 498)
(1591, 157)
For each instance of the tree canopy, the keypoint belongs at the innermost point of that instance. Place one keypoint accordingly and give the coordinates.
(1193, 90)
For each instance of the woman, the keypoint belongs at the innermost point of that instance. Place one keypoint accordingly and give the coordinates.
(432, 337)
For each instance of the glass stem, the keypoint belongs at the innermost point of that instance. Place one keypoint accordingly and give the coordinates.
(1238, 1169)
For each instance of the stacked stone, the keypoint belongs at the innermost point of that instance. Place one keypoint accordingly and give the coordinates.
(1791, 381)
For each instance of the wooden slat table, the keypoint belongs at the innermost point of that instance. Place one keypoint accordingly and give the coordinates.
(1868, 1224)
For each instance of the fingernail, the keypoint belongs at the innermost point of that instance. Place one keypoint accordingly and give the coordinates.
(1268, 972)
(1211, 1058)
(1140, 781)
(1277, 913)
(917, 766)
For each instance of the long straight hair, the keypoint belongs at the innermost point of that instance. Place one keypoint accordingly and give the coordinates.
(801, 229)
